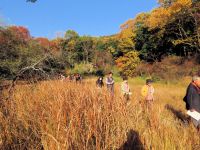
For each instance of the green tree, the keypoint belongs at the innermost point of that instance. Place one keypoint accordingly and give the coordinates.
(71, 34)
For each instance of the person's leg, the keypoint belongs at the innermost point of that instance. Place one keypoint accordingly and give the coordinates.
(108, 88)
(112, 90)
(125, 98)
(149, 105)
(146, 105)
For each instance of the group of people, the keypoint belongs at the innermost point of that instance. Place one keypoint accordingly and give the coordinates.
(72, 77)
(191, 99)
(147, 90)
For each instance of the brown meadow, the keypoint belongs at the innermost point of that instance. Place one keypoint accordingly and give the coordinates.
(65, 115)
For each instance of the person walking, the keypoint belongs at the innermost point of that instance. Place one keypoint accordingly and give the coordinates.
(78, 78)
(110, 83)
(125, 89)
(99, 82)
(192, 99)
(147, 92)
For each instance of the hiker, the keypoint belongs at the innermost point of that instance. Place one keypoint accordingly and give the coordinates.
(110, 83)
(62, 77)
(70, 77)
(192, 98)
(147, 93)
(99, 82)
(78, 78)
(125, 89)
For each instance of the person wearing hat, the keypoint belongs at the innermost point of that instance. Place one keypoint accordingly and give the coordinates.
(192, 98)
(147, 92)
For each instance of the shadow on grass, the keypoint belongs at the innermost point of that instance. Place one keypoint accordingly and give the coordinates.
(133, 142)
(178, 114)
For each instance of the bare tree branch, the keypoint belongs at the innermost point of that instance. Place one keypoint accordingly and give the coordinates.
(23, 70)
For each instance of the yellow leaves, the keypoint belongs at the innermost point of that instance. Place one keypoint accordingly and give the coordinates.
(128, 28)
(141, 18)
(188, 41)
(126, 37)
(159, 17)
(71, 45)
(110, 49)
(178, 5)
(126, 44)
(126, 33)
(128, 63)
(127, 25)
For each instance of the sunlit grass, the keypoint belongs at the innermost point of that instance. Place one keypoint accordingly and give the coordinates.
(65, 115)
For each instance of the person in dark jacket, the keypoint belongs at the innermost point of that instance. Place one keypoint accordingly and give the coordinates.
(78, 78)
(99, 82)
(192, 98)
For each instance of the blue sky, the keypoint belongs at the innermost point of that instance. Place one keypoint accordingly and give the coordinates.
(46, 18)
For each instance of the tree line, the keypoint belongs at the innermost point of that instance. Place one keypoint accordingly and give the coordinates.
(173, 28)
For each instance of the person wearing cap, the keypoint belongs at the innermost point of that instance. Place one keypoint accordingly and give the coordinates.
(110, 83)
(192, 98)
(147, 92)
(125, 89)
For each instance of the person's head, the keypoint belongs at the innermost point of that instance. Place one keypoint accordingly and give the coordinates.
(100, 78)
(149, 82)
(196, 80)
(125, 78)
(110, 74)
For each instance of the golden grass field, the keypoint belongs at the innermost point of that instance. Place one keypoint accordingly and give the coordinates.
(56, 115)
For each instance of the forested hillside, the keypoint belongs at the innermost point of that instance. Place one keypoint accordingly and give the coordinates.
(172, 29)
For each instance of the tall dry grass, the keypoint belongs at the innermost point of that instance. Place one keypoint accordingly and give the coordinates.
(62, 115)
(59, 115)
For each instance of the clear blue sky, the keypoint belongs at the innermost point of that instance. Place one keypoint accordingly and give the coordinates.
(88, 17)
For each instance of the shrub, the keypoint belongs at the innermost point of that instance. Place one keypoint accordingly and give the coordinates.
(83, 68)
(128, 63)
(170, 68)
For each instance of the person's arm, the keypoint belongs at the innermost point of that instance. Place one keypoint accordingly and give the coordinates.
(153, 90)
(112, 82)
(107, 81)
